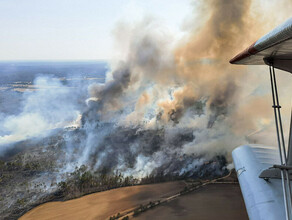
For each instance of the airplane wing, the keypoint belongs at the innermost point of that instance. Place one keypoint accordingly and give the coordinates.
(265, 173)
(276, 46)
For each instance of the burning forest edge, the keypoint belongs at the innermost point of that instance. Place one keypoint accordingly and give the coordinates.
(35, 174)
(163, 112)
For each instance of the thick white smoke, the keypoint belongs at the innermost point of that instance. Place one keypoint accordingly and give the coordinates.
(167, 108)
(47, 106)
(162, 103)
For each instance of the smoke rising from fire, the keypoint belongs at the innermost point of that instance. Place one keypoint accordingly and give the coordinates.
(168, 108)
(172, 107)
(196, 87)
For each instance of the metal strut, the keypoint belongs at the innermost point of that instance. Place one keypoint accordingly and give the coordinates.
(281, 144)
(289, 159)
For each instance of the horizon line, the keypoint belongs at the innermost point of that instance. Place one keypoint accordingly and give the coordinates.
(57, 60)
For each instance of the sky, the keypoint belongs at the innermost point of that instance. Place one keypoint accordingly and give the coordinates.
(77, 29)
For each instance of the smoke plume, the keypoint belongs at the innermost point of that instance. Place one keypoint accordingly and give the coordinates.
(168, 107)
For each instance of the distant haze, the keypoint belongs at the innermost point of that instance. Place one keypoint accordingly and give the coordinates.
(75, 29)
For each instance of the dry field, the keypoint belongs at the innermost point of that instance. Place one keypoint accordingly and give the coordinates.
(213, 201)
(104, 204)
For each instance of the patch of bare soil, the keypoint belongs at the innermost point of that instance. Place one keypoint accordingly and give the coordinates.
(103, 204)
(213, 201)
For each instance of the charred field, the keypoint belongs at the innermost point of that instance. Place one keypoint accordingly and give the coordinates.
(63, 138)
(34, 172)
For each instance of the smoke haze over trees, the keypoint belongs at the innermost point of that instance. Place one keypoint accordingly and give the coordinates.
(164, 108)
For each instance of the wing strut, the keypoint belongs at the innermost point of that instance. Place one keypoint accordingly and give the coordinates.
(281, 144)
(289, 162)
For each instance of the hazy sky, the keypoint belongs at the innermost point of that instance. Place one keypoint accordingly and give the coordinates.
(75, 29)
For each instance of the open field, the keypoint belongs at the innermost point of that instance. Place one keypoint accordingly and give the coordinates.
(212, 201)
(103, 204)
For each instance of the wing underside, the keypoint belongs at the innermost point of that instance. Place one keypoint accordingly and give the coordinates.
(273, 48)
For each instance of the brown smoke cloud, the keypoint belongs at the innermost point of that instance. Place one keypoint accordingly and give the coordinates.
(193, 85)
(203, 60)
